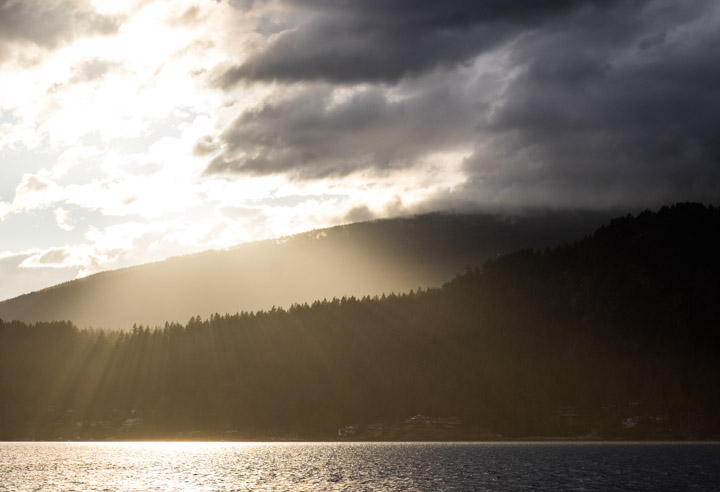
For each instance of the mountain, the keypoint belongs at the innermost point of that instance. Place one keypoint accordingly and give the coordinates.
(613, 336)
(368, 258)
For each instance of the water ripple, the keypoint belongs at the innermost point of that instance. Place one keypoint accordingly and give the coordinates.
(358, 466)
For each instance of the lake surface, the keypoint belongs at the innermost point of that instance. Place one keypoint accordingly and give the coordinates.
(358, 466)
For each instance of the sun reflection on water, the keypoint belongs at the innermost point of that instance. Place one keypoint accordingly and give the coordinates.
(201, 466)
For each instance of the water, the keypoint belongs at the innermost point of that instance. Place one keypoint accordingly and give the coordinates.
(358, 466)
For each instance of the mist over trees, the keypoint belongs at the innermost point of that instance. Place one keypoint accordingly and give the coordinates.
(612, 336)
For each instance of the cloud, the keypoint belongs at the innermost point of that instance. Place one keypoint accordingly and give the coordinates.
(53, 257)
(106, 90)
(5, 210)
(91, 70)
(48, 23)
(34, 192)
(591, 104)
(63, 257)
(61, 219)
(353, 41)
(322, 131)
(241, 213)
(359, 214)
(609, 111)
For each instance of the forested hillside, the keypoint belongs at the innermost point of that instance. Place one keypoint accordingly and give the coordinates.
(614, 336)
(367, 258)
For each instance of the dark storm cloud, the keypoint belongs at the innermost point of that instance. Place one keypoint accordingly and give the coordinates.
(350, 41)
(603, 103)
(612, 110)
(49, 23)
(312, 135)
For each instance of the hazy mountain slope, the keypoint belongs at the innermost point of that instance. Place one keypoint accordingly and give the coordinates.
(359, 259)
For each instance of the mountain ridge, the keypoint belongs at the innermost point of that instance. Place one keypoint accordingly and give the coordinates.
(366, 258)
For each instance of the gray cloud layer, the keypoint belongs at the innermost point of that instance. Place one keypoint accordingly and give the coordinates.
(623, 104)
(354, 41)
(310, 135)
(594, 103)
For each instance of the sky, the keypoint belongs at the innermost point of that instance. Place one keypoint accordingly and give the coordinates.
(132, 131)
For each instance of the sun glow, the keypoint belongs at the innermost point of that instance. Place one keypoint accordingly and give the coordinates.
(119, 116)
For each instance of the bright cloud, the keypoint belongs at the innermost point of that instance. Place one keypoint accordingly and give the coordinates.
(61, 219)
